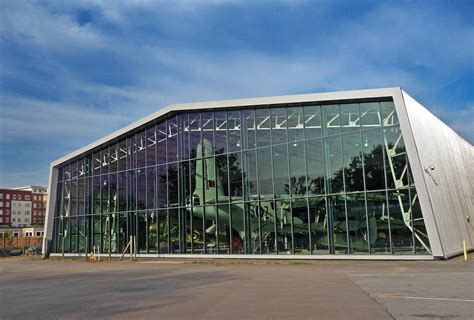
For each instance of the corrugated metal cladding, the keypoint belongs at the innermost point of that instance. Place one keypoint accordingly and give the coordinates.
(447, 162)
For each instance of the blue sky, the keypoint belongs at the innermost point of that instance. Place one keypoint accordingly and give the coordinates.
(72, 72)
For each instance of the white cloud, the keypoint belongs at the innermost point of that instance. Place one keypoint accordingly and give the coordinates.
(422, 49)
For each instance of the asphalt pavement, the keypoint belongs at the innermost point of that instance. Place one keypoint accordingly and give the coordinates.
(235, 289)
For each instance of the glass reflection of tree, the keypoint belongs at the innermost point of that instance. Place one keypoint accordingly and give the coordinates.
(235, 174)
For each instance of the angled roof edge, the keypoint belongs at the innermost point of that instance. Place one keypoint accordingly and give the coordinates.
(319, 97)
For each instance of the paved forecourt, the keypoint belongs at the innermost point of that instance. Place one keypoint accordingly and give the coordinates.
(200, 289)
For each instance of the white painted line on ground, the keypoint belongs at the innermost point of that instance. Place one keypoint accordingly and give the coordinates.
(402, 273)
(421, 298)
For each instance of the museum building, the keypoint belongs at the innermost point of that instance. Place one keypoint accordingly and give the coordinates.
(354, 175)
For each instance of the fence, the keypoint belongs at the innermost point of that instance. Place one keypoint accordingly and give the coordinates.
(21, 242)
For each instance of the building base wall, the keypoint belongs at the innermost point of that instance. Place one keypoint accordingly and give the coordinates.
(258, 257)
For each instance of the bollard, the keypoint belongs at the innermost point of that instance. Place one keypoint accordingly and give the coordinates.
(465, 251)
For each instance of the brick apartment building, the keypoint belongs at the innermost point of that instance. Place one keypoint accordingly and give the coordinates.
(23, 207)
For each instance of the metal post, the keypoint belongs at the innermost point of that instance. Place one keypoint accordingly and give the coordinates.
(135, 246)
(87, 248)
(131, 247)
(465, 251)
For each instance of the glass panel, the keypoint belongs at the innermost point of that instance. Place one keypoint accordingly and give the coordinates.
(74, 234)
(174, 230)
(312, 122)
(163, 231)
(194, 133)
(319, 225)
(295, 124)
(353, 173)
(122, 191)
(122, 232)
(207, 122)
(395, 158)
(389, 115)
(379, 222)
(266, 216)
(172, 141)
(80, 197)
(104, 186)
(87, 196)
(297, 169)
(422, 242)
(334, 164)
(210, 228)
(82, 168)
(315, 166)
(350, 117)
(73, 205)
(152, 225)
(250, 174)
(233, 125)
(370, 114)
(184, 131)
(173, 186)
(400, 221)
(249, 130)
(220, 134)
(150, 146)
(66, 173)
(279, 126)
(132, 190)
(252, 212)
(82, 234)
(113, 158)
(338, 224)
(357, 223)
(238, 228)
(142, 232)
(150, 188)
(74, 170)
(331, 120)
(222, 179)
(283, 223)
(141, 189)
(122, 155)
(299, 208)
(162, 186)
(96, 163)
(373, 159)
(263, 124)
(131, 152)
(223, 228)
(113, 192)
(96, 195)
(161, 142)
(280, 171)
(265, 183)
(96, 229)
(235, 176)
(105, 159)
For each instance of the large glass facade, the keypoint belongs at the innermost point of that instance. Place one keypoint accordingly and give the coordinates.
(283, 179)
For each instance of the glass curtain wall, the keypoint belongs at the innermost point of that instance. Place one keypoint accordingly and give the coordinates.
(289, 179)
